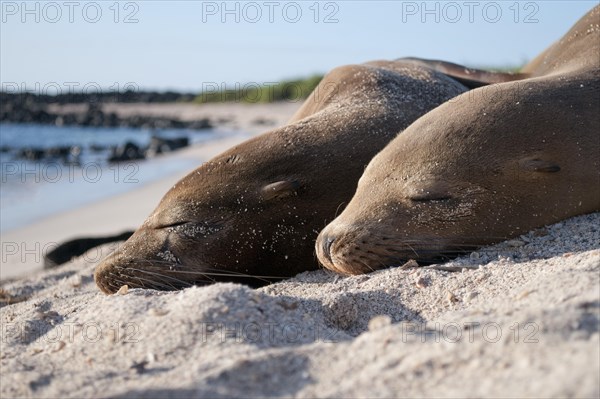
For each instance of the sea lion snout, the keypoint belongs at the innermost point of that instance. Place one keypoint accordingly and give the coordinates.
(346, 249)
(146, 260)
(107, 273)
(368, 245)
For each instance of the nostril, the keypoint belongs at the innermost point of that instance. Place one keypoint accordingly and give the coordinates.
(327, 242)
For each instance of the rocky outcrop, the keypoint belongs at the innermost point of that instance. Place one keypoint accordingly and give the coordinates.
(18, 109)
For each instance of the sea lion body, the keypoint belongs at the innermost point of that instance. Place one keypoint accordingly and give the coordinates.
(488, 165)
(252, 213)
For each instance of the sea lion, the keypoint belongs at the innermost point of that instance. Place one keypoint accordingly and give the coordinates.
(489, 165)
(251, 214)
(78, 246)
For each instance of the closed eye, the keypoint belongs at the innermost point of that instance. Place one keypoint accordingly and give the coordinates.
(175, 224)
(426, 197)
(194, 230)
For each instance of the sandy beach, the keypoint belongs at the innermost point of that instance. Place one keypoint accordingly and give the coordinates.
(520, 319)
(404, 137)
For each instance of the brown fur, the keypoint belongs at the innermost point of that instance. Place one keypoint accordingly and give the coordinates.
(488, 165)
(252, 213)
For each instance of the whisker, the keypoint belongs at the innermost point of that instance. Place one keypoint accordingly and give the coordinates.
(206, 270)
(179, 281)
(225, 274)
(412, 249)
(117, 279)
(153, 283)
(364, 264)
(337, 210)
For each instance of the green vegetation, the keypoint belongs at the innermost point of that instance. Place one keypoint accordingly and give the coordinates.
(287, 90)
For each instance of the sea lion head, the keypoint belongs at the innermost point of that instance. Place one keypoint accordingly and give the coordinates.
(474, 171)
(206, 228)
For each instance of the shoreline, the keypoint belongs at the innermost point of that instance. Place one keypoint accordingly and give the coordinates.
(235, 115)
(133, 131)
(23, 247)
(40, 189)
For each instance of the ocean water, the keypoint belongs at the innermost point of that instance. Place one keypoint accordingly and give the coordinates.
(30, 191)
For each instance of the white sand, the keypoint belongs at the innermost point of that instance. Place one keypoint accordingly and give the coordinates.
(510, 328)
(527, 312)
(236, 115)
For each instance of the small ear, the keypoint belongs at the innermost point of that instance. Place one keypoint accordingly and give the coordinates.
(280, 189)
(539, 165)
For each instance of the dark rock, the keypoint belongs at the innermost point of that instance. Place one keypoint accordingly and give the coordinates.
(30, 108)
(74, 156)
(74, 97)
(200, 124)
(66, 154)
(127, 152)
(225, 119)
(57, 152)
(111, 120)
(159, 145)
(97, 148)
(263, 121)
(31, 154)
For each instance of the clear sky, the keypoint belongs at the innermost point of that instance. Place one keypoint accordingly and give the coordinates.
(184, 45)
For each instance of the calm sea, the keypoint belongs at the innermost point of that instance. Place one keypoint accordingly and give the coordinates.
(33, 190)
